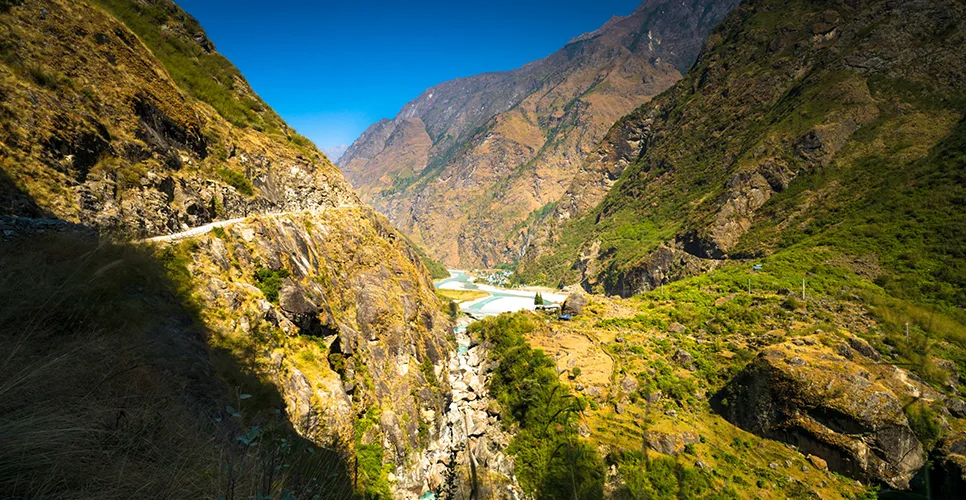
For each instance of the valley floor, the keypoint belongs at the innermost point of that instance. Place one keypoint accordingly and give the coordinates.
(497, 300)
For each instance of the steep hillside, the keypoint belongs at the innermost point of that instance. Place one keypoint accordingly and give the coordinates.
(803, 124)
(464, 166)
(787, 222)
(110, 391)
(148, 130)
(313, 321)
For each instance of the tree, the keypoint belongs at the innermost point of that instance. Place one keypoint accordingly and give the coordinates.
(538, 299)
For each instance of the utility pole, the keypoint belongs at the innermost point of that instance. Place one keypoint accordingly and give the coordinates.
(803, 288)
(907, 333)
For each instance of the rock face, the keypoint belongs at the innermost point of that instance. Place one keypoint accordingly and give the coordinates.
(848, 413)
(352, 282)
(313, 293)
(470, 160)
(706, 170)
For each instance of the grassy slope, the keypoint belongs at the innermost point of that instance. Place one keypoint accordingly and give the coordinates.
(207, 76)
(877, 234)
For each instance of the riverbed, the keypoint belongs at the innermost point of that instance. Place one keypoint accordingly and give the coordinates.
(499, 300)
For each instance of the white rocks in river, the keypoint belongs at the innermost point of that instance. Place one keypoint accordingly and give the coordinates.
(470, 424)
(473, 357)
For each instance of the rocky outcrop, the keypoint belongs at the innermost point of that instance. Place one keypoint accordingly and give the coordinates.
(464, 166)
(848, 412)
(353, 286)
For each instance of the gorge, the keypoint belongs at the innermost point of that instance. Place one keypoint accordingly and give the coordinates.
(713, 249)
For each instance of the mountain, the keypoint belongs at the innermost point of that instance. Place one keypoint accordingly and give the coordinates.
(463, 167)
(273, 318)
(195, 304)
(774, 248)
(831, 125)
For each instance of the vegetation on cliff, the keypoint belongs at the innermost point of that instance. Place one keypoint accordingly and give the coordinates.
(551, 460)
(179, 42)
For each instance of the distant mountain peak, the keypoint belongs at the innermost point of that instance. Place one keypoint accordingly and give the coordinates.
(463, 165)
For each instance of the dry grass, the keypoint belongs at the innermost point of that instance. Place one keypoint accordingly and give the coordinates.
(106, 390)
(460, 295)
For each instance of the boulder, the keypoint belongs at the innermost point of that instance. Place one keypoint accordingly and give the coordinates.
(864, 348)
(574, 303)
(820, 402)
(818, 462)
(669, 443)
(629, 384)
(957, 407)
(684, 359)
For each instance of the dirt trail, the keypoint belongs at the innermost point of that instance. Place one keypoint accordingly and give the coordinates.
(199, 230)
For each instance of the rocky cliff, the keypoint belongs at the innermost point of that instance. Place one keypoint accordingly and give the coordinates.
(465, 165)
(833, 402)
(796, 119)
(120, 117)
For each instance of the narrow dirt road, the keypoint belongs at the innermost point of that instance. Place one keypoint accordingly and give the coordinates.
(199, 230)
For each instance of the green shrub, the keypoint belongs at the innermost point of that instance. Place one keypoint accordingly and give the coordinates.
(237, 180)
(924, 423)
(372, 475)
(269, 281)
(663, 478)
(792, 303)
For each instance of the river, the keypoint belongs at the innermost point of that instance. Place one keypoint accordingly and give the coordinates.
(499, 300)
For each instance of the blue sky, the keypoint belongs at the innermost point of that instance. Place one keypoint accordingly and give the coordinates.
(332, 68)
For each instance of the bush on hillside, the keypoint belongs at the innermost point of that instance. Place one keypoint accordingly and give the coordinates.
(552, 461)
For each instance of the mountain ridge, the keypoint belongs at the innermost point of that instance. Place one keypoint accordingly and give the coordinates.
(841, 102)
(501, 145)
